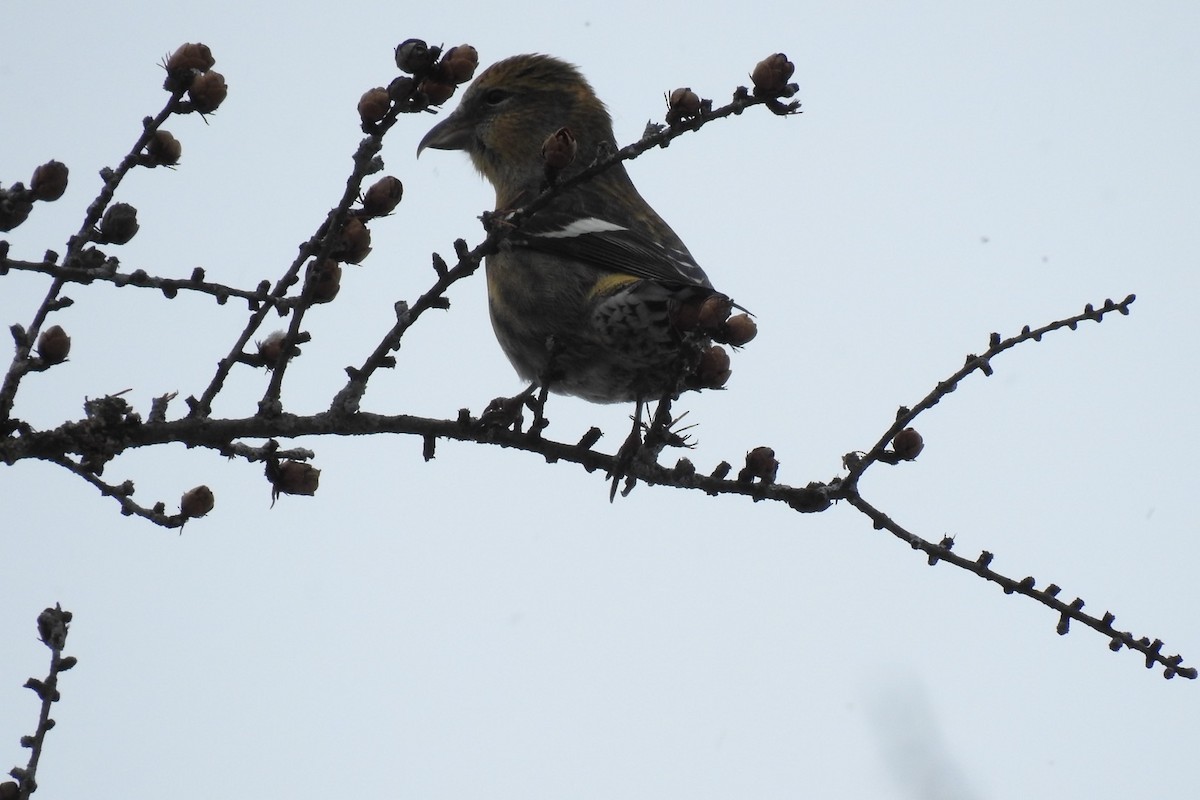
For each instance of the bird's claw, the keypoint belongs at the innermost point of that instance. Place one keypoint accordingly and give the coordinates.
(507, 412)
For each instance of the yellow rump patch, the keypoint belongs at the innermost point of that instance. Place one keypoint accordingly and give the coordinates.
(611, 283)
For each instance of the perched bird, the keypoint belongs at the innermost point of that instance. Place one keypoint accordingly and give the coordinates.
(593, 295)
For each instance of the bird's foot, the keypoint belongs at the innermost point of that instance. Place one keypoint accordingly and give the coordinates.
(660, 433)
(505, 413)
(624, 458)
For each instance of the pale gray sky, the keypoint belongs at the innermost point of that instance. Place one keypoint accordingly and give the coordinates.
(486, 625)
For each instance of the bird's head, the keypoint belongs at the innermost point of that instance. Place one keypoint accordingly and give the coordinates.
(507, 114)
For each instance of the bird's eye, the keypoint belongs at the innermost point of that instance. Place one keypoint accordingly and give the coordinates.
(494, 97)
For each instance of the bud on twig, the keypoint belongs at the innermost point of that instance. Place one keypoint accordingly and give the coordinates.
(271, 348)
(196, 502)
(706, 313)
(771, 75)
(53, 625)
(459, 64)
(401, 89)
(373, 105)
(293, 477)
(163, 150)
(738, 330)
(355, 242)
(207, 92)
(383, 197)
(908, 444)
(54, 345)
(192, 57)
(713, 370)
(714, 311)
(119, 224)
(760, 463)
(682, 104)
(49, 181)
(324, 281)
(185, 64)
(436, 92)
(559, 149)
(414, 56)
(15, 204)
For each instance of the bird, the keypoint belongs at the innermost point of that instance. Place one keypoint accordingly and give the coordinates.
(592, 295)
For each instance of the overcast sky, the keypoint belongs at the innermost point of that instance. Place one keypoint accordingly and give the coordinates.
(487, 625)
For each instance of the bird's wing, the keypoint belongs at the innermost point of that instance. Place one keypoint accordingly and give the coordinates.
(611, 247)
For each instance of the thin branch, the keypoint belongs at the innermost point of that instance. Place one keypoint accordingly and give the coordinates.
(95, 436)
(658, 137)
(112, 179)
(346, 401)
(319, 248)
(108, 272)
(122, 493)
(53, 625)
(84, 437)
(1047, 596)
(858, 463)
(116, 433)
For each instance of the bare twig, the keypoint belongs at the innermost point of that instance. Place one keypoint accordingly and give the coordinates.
(858, 463)
(1047, 596)
(170, 287)
(123, 494)
(52, 624)
(112, 179)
